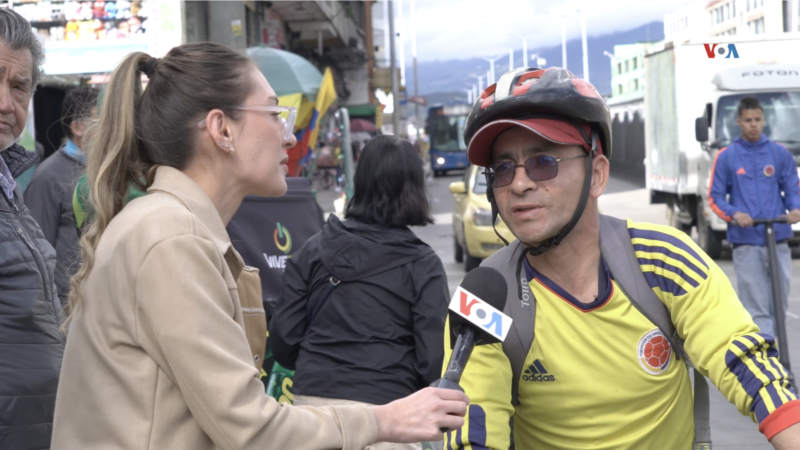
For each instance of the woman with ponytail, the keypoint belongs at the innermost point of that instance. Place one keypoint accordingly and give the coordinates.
(165, 325)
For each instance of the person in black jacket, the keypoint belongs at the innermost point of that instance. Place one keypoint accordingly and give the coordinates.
(31, 344)
(361, 312)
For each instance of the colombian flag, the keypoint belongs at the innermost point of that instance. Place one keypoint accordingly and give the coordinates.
(308, 129)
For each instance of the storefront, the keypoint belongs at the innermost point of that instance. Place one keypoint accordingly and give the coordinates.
(84, 41)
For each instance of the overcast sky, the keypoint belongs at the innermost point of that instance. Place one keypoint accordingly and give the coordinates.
(468, 28)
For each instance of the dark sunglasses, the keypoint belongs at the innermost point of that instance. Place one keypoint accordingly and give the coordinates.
(538, 168)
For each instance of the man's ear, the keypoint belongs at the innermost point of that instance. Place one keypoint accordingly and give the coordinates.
(600, 174)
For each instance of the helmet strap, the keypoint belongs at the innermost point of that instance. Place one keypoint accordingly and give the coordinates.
(495, 211)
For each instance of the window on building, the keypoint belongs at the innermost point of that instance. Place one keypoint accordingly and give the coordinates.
(636, 84)
(756, 26)
(733, 9)
(619, 68)
(727, 11)
(627, 68)
(619, 89)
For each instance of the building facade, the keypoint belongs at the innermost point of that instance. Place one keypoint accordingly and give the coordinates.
(627, 109)
(699, 18)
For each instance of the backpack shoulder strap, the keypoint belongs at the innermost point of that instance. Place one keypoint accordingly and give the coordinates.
(618, 253)
(520, 306)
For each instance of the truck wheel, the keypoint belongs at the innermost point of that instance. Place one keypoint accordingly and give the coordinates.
(674, 222)
(470, 262)
(458, 251)
(708, 240)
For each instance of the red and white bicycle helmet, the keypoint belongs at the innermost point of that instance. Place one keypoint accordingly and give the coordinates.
(552, 103)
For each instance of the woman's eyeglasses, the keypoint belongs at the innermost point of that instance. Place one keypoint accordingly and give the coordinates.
(287, 117)
(538, 168)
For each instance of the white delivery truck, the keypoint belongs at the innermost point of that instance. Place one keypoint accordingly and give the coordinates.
(691, 100)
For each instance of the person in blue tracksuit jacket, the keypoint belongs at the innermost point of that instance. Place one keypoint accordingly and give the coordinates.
(755, 178)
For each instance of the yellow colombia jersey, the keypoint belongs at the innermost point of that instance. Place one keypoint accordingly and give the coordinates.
(602, 376)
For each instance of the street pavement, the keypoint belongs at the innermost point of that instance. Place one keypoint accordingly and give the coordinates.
(625, 199)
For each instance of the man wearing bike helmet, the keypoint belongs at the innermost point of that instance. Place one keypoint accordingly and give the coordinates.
(606, 369)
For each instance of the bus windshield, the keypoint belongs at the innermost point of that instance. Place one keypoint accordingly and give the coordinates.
(447, 133)
(781, 113)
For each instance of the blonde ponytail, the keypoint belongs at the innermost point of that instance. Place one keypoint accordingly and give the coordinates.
(114, 163)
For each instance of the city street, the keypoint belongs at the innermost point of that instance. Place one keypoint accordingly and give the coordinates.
(729, 429)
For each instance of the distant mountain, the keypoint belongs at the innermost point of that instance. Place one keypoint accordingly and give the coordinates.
(453, 76)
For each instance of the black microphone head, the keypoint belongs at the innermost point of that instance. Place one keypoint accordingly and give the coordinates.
(488, 285)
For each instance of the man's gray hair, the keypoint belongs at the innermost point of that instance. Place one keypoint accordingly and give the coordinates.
(17, 33)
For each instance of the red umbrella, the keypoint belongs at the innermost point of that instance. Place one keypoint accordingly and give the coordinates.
(362, 125)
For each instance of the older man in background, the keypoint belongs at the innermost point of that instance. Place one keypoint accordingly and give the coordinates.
(31, 344)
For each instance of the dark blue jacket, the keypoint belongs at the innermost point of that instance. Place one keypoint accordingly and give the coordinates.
(754, 175)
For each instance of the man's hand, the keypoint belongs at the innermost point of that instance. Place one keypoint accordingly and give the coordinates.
(743, 219)
(794, 216)
(421, 416)
(788, 439)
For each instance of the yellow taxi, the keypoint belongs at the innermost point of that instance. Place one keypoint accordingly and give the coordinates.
(473, 236)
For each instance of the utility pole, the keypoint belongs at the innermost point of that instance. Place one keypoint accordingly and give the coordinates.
(371, 52)
(585, 51)
(401, 41)
(414, 56)
(393, 68)
(226, 24)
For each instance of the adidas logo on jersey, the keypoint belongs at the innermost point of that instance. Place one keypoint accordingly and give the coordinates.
(537, 372)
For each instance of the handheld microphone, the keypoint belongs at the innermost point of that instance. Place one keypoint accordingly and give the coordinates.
(476, 318)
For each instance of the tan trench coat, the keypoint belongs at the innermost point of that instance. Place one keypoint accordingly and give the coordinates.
(163, 352)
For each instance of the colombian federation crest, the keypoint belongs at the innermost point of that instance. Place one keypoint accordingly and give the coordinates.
(654, 352)
(769, 170)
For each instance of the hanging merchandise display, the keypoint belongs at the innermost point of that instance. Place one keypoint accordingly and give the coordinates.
(92, 37)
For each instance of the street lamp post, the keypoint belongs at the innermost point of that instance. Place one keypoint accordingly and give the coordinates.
(491, 69)
(480, 81)
(469, 95)
(583, 43)
(524, 48)
(414, 57)
(563, 41)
